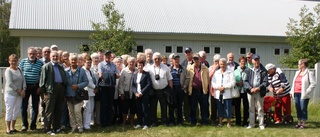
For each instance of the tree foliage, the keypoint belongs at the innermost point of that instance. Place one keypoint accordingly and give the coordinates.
(112, 34)
(304, 36)
(8, 45)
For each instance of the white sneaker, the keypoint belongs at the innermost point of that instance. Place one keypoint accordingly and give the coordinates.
(137, 126)
(249, 127)
(145, 127)
(261, 127)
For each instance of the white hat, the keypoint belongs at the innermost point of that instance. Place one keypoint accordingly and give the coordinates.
(270, 66)
(53, 46)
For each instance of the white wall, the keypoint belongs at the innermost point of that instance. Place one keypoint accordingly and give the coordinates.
(265, 50)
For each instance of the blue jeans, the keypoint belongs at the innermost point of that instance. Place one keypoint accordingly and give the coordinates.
(198, 96)
(178, 95)
(31, 91)
(224, 107)
(301, 106)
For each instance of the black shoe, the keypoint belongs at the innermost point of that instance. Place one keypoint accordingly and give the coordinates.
(14, 130)
(24, 129)
(9, 132)
(33, 128)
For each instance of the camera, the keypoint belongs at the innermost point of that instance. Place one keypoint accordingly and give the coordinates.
(157, 77)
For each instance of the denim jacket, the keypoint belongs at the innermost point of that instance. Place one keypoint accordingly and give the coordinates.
(72, 78)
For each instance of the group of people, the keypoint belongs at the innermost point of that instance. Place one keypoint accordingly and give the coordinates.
(122, 87)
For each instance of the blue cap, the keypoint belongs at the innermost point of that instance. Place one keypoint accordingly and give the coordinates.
(255, 56)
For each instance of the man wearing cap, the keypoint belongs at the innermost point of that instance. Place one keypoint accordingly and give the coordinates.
(280, 87)
(198, 89)
(180, 84)
(255, 84)
(161, 82)
(188, 54)
(108, 73)
(54, 48)
(188, 61)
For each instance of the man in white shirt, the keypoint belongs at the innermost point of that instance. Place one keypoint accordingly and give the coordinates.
(161, 81)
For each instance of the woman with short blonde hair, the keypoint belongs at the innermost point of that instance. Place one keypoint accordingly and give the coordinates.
(14, 91)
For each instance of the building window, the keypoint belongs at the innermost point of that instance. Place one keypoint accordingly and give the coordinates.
(168, 49)
(217, 50)
(276, 51)
(253, 50)
(179, 49)
(206, 49)
(243, 51)
(286, 51)
(140, 48)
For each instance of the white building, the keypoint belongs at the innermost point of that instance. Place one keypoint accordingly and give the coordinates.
(216, 26)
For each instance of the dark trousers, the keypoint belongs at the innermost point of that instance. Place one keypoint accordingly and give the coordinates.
(53, 109)
(117, 110)
(186, 106)
(159, 96)
(64, 121)
(106, 103)
(178, 95)
(31, 90)
(143, 110)
(214, 109)
(197, 96)
(237, 105)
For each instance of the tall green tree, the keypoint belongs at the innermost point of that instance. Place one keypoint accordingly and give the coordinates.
(112, 34)
(304, 36)
(8, 44)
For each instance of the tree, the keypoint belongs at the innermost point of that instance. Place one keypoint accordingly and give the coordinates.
(304, 36)
(8, 45)
(112, 34)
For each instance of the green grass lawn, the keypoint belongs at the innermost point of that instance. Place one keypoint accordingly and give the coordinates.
(312, 130)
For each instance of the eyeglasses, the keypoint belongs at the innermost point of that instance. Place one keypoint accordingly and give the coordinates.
(46, 51)
(248, 57)
(157, 58)
(195, 58)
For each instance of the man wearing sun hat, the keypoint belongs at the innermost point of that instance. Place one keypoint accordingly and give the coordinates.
(280, 87)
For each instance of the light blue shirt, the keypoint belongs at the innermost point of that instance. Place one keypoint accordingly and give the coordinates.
(107, 68)
(57, 75)
(72, 78)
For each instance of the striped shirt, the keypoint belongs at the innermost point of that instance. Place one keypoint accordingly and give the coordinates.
(277, 81)
(31, 71)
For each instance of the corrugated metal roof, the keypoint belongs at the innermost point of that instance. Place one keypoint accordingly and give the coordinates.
(230, 17)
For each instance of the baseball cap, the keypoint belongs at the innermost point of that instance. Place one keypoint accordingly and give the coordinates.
(187, 49)
(255, 56)
(175, 56)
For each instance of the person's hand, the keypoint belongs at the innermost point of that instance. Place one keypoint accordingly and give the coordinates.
(221, 89)
(279, 90)
(38, 92)
(122, 96)
(95, 90)
(253, 90)
(239, 84)
(23, 93)
(74, 87)
(271, 89)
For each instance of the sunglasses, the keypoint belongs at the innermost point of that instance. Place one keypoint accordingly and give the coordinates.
(195, 58)
(157, 58)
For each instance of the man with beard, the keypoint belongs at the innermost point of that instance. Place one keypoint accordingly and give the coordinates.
(31, 68)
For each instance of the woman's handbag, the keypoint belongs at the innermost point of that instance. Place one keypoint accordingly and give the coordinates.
(81, 93)
(235, 92)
